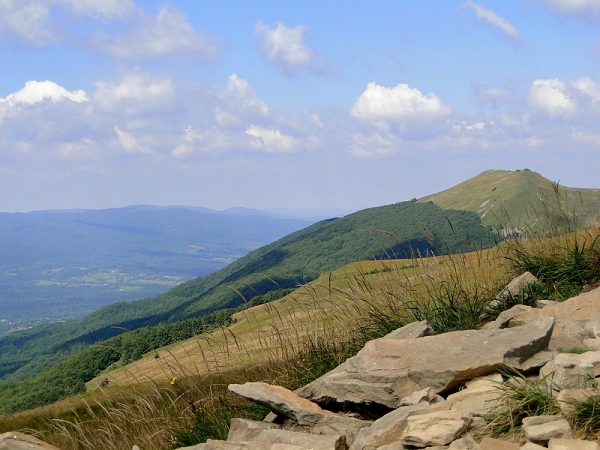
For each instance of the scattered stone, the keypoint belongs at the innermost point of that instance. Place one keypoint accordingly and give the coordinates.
(465, 443)
(537, 361)
(567, 335)
(592, 344)
(281, 401)
(544, 303)
(567, 396)
(387, 370)
(247, 430)
(413, 330)
(435, 428)
(532, 446)
(516, 286)
(504, 318)
(497, 444)
(571, 444)
(388, 429)
(572, 371)
(303, 440)
(479, 397)
(19, 441)
(540, 429)
(424, 395)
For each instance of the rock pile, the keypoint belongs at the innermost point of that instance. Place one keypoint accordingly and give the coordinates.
(412, 389)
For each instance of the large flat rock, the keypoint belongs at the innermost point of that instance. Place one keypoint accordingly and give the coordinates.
(387, 370)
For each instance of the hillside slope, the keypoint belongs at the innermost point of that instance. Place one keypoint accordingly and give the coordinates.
(383, 232)
(517, 199)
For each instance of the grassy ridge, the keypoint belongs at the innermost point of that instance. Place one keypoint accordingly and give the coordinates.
(518, 198)
(394, 230)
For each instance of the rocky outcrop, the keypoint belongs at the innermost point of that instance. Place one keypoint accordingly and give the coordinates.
(387, 370)
(412, 389)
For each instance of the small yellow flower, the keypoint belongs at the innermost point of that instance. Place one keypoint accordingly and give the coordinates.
(173, 380)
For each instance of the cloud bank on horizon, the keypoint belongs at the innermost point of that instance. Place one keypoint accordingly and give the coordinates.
(302, 104)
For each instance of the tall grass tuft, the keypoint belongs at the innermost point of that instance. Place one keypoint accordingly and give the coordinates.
(521, 398)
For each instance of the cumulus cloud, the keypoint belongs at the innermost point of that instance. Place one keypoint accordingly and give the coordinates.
(29, 21)
(587, 87)
(168, 34)
(284, 47)
(551, 97)
(36, 92)
(272, 140)
(397, 104)
(240, 98)
(493, 19)
(32, 21)
(137, 92)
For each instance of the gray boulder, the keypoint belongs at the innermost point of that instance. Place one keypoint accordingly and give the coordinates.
(386, 370)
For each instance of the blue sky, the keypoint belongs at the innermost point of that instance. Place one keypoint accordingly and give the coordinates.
(270, 104)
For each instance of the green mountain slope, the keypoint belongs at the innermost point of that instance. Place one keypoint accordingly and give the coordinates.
(517, 199)
(389, 231)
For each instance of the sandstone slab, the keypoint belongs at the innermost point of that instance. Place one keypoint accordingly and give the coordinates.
(281, 401)
(497, 444)
(571, 444)
(465, 443)
(387, 430)
(413, 330)
(479, 397)
(435, 428)
(572, 371)
(246, 429)
(531, 446)
(540, 429)
(303, 440)
(19, 441)
(387, 370)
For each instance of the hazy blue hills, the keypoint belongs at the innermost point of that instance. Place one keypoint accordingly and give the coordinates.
(66, 264)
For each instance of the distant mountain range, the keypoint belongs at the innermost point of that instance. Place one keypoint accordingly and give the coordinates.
(66, 264)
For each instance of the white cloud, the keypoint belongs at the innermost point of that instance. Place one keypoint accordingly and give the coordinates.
(28, 20)
(400, 103)
(284, 47)
(587, 87)
(32, 21)
(551, 97)
(167, 34)
(574, 6)
(240, 97)
(493, 19)
(38, 91)
(272, 140)
(190, 137)
(136, 93)
(130, 143)
(105, 9)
